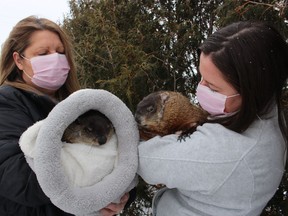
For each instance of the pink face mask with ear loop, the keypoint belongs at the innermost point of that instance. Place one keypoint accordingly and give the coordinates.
(50, 71)
(212, 102)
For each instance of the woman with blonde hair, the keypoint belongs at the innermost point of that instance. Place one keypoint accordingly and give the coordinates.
(36, 71)
(13, 54)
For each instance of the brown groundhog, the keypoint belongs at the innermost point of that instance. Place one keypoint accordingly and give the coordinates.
(91, 128)
(167, 112)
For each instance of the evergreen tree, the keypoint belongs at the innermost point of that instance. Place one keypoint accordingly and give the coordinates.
(132, 48)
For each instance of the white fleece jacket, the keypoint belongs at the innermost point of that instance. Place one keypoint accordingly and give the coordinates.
(215, 172)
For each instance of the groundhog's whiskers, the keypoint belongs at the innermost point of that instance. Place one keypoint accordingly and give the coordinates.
(91, 147)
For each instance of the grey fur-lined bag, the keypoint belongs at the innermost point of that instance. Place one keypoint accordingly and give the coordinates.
(44, 156)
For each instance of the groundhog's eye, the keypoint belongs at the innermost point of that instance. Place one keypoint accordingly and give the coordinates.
(150, 109)
(88, 129)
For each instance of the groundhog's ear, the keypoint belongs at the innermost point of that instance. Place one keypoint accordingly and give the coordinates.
(164, 97)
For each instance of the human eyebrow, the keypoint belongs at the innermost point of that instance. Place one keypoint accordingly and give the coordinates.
(202, 80)
(208, 83)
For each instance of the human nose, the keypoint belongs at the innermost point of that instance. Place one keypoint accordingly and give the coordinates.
(203, 82)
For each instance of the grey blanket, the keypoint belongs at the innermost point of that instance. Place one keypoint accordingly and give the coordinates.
(47, 163)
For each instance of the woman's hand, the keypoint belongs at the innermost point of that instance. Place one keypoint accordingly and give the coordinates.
(115, 208)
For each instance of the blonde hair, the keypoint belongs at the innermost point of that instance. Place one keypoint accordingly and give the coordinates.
(19, 40)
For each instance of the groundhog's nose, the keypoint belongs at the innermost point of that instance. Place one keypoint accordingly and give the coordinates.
(137, 118)
(102, 140)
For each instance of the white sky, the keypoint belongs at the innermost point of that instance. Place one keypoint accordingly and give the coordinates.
(12, 11)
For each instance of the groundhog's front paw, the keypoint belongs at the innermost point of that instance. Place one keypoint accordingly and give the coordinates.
(186, 133)
(182, 137)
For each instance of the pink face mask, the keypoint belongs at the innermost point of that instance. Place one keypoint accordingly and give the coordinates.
(212, 102)
(50, 71)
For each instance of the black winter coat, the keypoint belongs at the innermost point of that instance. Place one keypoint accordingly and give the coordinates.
(20, 193)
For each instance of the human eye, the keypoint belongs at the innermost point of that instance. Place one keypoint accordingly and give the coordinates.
(212, 89)
(60, 50)
(42, 53)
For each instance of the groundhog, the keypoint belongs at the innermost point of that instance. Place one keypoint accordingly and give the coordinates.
(91, 128)
(167, 112)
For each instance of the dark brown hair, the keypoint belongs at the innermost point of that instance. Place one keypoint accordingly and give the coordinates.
(253, 57)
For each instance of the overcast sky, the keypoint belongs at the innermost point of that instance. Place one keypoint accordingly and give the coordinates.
(12, 11)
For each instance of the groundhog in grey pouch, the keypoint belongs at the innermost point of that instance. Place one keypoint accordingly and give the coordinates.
(167, 112)
(91, 128)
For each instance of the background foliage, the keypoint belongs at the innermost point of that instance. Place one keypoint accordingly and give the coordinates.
(134, 47)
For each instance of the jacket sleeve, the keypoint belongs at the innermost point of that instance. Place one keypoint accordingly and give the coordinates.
(200, 163)
(18, 182)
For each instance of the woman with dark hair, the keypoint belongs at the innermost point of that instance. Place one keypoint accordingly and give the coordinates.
(233, 164)
(36, 71)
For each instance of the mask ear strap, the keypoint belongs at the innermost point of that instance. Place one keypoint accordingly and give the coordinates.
(24, 57)
(27, 74)
(233, 95)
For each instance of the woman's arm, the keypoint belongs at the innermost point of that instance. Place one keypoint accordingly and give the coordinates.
(201, 162)
(17, 181)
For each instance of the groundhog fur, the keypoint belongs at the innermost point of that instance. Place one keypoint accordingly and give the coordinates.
(91, 128)
(167, 112)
